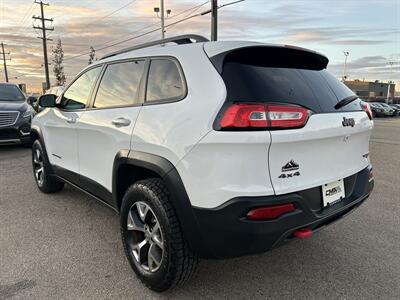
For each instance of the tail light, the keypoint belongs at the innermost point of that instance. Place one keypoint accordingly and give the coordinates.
(367, 108)
(263, 116)
(270, 212)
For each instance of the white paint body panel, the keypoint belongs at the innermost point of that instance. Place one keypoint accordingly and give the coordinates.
(225, 165)
(60, 137)
(324, 149)
(99, 141)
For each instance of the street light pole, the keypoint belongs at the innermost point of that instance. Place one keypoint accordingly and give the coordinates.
(346, 54)
(390, 80)
(162, 19)
(161, 10)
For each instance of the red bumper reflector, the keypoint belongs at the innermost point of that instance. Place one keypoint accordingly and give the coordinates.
(303, 233)
(270, 212)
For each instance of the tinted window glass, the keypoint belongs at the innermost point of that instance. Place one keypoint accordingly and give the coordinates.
(120, 84)
(317, 90)
(164, 81)
(78, 93)
(9, 92)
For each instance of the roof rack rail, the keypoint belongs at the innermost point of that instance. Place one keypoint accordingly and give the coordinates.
(180, 39)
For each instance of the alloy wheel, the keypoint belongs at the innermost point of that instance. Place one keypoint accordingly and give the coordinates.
(145, 237)
(38, 167)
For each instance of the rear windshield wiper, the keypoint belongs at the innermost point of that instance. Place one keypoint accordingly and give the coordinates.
(345, 101)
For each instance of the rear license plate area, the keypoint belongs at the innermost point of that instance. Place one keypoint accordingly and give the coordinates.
(332, 193)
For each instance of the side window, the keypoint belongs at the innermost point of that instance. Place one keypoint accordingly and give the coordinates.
(164, 81)
(120, 84)
(78, 93)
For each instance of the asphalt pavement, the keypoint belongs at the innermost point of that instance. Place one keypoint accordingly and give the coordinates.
(67, 245)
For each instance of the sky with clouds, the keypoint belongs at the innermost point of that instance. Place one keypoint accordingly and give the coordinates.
(368, 29)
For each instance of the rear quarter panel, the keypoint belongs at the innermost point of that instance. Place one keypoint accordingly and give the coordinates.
(172, 129)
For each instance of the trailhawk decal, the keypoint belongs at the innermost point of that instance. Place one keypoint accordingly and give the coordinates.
(290, 166)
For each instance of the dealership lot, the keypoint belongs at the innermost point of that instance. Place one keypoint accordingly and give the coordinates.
(67, 245)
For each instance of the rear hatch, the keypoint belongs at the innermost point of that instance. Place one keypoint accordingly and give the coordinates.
(332, 144)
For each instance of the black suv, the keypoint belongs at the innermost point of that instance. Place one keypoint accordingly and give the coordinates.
(15, 115)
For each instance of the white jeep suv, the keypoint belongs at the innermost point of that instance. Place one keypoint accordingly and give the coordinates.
(207, 149)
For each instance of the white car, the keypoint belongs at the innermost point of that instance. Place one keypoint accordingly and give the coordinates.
(207, 149)
(55, 90)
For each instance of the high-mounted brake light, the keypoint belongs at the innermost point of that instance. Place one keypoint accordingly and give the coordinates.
(256, 116)
(367, 108)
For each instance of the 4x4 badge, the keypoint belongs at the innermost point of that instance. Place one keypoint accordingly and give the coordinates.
(290, 166)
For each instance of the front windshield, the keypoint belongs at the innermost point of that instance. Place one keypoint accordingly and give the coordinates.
(10, 93)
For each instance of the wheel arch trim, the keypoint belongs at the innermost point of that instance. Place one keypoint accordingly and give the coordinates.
(178, 196)
(35, 130)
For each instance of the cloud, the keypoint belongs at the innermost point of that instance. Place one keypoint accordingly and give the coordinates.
(370, 67)
(311, 24)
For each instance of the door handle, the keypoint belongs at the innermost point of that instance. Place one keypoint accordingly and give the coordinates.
(121, 122)
(70, 120)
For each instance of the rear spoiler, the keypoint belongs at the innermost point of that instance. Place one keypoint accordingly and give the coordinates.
(272, 56)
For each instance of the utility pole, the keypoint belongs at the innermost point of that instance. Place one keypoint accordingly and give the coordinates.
(214, 20)
(44, 38)
(346, 54)
(5, 60)
(161, 10)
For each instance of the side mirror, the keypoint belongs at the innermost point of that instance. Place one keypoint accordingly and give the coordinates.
(48, 100)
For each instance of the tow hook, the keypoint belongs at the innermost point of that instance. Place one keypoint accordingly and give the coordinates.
(303, 233)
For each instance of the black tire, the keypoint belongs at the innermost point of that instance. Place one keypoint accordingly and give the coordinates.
(178, 262)
(48, 184)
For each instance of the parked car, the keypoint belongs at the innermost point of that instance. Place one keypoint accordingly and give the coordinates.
(396, 109)
(391, 110)
(387, 111)
(55, 90)
(377, 110)
(207, 149)
(15, 115)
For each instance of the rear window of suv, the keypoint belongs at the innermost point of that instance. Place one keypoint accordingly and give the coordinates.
(275, 77)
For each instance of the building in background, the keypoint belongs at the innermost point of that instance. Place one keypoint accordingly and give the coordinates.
(372, 91)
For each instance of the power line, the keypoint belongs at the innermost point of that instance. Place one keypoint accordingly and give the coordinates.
(192, 9)
(115, 11)
(20, 24)
(24, 74)
(109, 14)
(27, 13)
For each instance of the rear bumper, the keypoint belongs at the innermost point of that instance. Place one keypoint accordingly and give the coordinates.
(226, 232)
